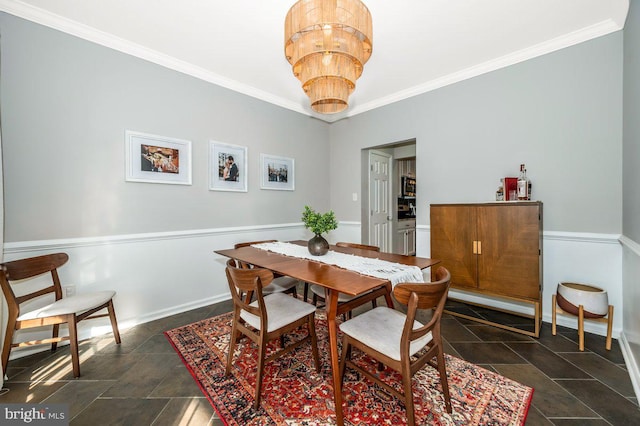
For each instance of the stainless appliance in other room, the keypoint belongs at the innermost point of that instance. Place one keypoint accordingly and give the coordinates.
(408, 187)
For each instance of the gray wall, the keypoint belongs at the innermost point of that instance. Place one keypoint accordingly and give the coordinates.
(560, 114)
(66, 104)
(631, 187)
(631, 146)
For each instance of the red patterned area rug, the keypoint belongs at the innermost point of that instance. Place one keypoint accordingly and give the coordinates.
(293, 393)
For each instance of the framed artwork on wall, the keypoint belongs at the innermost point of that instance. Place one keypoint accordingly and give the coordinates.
(227, 167)
(157, 159)
(277, 172)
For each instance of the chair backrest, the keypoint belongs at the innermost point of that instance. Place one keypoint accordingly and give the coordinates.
(242, 280)
(431, 295)
(358, 246)
(246, 265)
(21, 269)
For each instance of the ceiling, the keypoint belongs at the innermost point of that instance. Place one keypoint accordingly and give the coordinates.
(418, 45)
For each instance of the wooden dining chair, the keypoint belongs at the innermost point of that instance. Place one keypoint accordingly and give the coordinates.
(280, 283)
(267, 318)
(70, 310)
(319, 291)
(398, 340)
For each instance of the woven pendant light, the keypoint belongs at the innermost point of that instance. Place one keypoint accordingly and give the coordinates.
(327, 42)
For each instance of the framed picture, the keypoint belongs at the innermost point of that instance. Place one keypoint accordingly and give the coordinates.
(157, 159)
(277, 172)
(227, 167)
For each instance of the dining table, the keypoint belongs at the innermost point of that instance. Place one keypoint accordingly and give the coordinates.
(335, 280)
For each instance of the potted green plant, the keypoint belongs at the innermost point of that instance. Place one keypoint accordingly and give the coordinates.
(319, 224)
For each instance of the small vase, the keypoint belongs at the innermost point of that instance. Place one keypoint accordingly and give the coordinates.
(318, 246)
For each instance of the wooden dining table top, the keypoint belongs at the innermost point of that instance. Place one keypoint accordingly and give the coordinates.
(328, 276)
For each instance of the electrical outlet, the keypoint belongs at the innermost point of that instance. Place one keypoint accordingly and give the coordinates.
(69, 291)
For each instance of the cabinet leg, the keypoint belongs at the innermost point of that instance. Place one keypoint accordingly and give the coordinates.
(581, 327)
(553, 315)
(609, 327)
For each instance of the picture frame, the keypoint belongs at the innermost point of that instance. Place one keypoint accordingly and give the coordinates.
(277, 172)
(157, 159)
(228, 167)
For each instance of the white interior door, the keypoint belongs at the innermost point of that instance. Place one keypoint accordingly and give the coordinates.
(380, 200)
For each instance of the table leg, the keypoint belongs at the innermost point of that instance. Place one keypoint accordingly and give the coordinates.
(332, 312)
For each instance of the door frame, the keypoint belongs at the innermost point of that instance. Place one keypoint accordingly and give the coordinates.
(389, 201)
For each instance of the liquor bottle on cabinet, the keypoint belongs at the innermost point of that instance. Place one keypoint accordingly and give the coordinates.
(500, 191)
(523, 184)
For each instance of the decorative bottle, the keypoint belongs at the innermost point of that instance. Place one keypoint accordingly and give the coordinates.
(500, 191)
(523, 184)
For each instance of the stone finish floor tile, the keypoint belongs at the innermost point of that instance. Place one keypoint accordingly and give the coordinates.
(144, 382)
(192, 411)
(608, 373)
(611, 406)
(487, 353)
(120, 411)
(547, 361)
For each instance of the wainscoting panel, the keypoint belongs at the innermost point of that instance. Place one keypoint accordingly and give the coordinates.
(630, 337)
(161, 274)
(154, 275)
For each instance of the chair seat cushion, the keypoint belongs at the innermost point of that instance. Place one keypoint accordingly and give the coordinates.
(342, 297)
(281, 310)
(70, 305)
(381, 329)
(279, 285)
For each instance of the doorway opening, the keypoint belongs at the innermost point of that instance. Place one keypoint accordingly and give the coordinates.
(389, 207)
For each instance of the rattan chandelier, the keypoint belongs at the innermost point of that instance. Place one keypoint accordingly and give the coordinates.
(328, 42)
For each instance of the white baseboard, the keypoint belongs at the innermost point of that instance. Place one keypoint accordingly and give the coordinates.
(631, 363)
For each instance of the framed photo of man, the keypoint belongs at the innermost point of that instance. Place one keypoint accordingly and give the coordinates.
(227, 167)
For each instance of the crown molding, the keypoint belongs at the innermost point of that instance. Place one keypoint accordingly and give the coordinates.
(567, 40)
(85, 32)
(51, 20)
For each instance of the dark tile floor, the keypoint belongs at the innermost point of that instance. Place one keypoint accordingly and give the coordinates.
(143, 381)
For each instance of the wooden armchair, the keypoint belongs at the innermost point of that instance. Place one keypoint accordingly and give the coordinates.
(280, 283)
(267, 318)
(69, 310)
(393, 338)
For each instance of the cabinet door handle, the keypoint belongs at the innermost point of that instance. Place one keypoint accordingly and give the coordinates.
(479, 247)
(475, 247)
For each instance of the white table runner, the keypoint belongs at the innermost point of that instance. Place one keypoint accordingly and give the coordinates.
(394, 272)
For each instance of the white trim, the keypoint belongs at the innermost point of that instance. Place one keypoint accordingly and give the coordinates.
(630, 362)
(582, 237)
(597, 30)
(586, 237)
(133, 287)
(630, 244)
(23, 246)
(85, 32)
(94, 35)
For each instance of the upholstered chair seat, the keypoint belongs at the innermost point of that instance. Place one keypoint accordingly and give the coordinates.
(281, 310)
(70, 305)
(381, 329)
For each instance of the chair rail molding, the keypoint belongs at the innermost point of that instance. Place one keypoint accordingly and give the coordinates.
(190, 275)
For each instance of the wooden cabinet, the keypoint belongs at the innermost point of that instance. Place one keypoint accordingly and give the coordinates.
(494, 249)
(405, 239)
